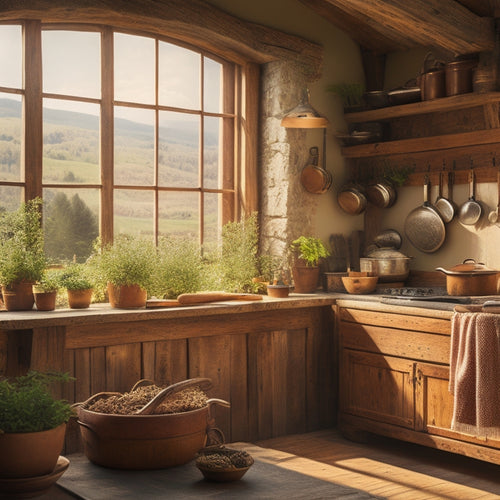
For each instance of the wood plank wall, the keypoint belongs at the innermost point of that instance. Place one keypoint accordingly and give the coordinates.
(276, 368)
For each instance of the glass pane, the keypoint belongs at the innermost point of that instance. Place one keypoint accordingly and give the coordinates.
(134, 69)
(11, 56)
(134, 146)
(10, 137)
(72, 63)
(178, 154)
(71, 223)
(179, 214)
(133, 212)
(179, 77)
(70, 142)
(212, 162)
(212, 82)
(11, 197)
(212, 222)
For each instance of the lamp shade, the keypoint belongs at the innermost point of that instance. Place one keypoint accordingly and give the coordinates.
(304, 116)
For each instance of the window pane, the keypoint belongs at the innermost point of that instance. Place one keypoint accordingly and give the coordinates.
(133, 212)
(212, 86)
(178, 155)
(211, 159)
(11, 197)
(71, 63)
(134, 146)
(134, 68)
(179, 214)
(70, 142)
(10, 137)
(71, 223)
(11, 56)
(212, 218)
(179, 77)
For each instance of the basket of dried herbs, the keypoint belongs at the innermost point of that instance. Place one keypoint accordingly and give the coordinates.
(149, 427)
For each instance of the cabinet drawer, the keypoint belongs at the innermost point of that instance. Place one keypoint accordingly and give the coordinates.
(392, 341)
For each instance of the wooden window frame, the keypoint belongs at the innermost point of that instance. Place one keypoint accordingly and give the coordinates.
(238, 185)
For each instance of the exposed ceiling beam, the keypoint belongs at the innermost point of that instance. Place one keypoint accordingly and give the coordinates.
(446, 24)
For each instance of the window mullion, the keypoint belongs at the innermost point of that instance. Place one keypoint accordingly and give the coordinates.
(106, 137)
(32, 114)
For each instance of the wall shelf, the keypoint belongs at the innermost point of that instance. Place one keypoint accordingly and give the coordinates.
(452, 103)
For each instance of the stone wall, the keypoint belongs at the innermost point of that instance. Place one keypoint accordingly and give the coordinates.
(287, 209)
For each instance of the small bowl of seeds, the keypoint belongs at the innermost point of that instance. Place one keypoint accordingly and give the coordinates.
(221, 464)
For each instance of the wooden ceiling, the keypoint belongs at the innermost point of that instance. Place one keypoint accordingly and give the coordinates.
(457, 27)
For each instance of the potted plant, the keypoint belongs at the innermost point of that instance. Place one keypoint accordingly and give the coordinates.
(22, 257)
(307, 252)
(127, 267)
(77, 279)
(45, 291)
(32, 424)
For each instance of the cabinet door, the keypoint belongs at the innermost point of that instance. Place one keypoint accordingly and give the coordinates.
(377, 387)
(433, 401)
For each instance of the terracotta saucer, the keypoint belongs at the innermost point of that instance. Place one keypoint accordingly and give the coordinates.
(28, 487)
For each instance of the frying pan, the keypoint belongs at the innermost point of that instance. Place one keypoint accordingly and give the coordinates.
(443, 205)
(424, 227)
(470, 211)
(315, 179)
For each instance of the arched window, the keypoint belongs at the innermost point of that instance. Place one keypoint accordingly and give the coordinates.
(118, 132)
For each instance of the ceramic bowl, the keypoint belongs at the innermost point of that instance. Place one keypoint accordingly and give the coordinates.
(360, 284)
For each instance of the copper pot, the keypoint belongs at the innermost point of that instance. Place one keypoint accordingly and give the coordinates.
(471, 278)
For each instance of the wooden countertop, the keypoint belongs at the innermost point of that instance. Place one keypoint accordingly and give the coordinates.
(104, 313)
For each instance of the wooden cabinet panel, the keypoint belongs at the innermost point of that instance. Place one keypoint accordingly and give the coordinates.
(377, 387)
(434, 403)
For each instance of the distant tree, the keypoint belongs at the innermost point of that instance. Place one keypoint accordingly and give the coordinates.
(70, 228)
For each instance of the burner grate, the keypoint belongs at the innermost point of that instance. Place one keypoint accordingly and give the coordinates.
(413, 291)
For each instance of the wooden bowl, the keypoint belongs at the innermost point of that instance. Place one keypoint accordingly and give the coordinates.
(360, 284)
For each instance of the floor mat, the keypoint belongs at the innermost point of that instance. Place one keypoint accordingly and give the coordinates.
(262, 481)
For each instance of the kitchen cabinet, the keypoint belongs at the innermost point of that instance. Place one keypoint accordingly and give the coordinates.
(393, 379)
(426, 135)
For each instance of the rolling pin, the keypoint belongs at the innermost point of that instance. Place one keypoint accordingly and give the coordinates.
(204, 297)
(187, 299)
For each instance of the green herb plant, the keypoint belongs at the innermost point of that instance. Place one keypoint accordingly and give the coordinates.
(49, 282)
(351, 94)
(128, 261)
(309, 249)
(22, 256)
(77, 277)
(27, 405)
(180, 267)
(234, 265)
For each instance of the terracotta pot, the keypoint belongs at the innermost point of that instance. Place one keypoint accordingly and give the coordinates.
(126, 296)
(30, 454)
(278, 291)
(79, 299)
(141, 442)
(305, 278)
(18, 296)
(45, 301)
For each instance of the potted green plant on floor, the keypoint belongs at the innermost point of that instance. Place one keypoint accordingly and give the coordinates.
(307, 252)
(45, 290)
(79, 283)
(127, 268)
(22, 257)
(32, 424)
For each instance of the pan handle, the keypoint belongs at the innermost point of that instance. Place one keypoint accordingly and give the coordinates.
(427, 187)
